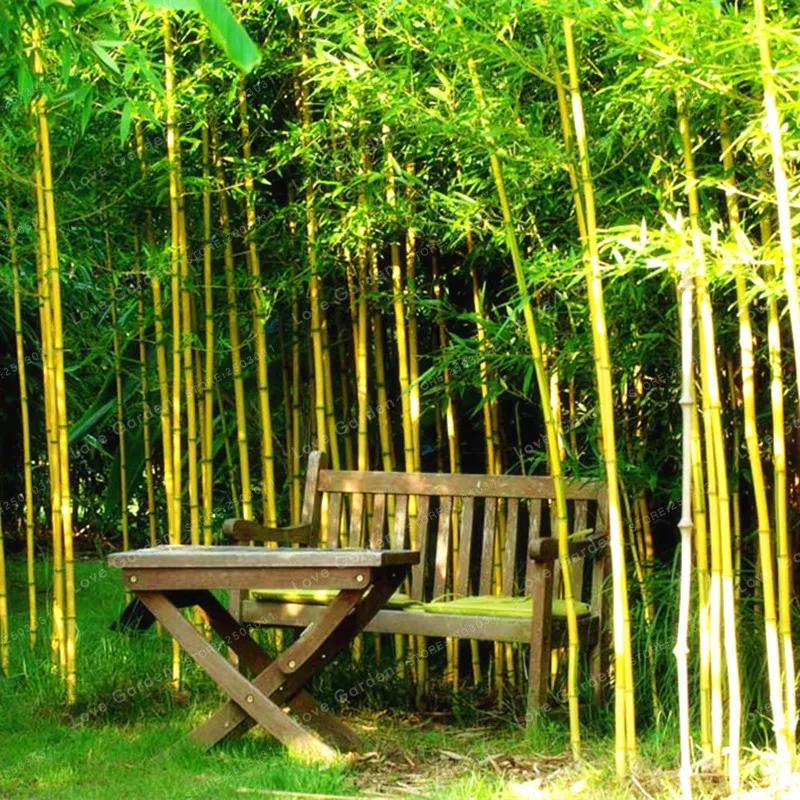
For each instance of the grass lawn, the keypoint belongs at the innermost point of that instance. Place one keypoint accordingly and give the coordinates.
(124, 738)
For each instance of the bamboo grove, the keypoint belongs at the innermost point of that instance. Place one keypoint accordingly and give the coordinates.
(551, 239)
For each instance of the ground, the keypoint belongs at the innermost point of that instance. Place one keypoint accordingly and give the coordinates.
(123, 739)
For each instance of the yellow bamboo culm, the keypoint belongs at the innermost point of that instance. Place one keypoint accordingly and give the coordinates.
(700, 531)
(57, 634)
(715, 453)
(554, 458)
(780, 501)
(52, 276)
(296, 411)
(173, 146)
(625, 714)
(746, 346)
(207, 437)
(161, 360)
(681, 650)
(304, 112)
(144, 385)
(175, 260)
(233, 332)
(187, 359)
(26, 425)
(123, 463)
(772, 122)
(270, 512)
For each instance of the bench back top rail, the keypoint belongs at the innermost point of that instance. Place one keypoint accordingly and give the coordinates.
(474, 531)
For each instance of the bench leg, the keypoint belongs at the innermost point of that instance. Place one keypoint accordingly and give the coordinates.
(541, 577)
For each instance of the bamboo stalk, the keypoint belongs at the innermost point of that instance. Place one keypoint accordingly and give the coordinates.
(52, 275)
(175, 260)
(208, 324)
(145, 393)
(746, 345)
(58, 644)
(681, 650)
(123, 463)
(716, 453)
(772, 122)
(624, 710)
(700, 532)
(161, 362)
(270, 512)
(554, 458)
(26, 425)
(784, 562)
(233, 332)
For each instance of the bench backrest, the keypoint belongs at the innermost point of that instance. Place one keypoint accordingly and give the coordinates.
(474, 531)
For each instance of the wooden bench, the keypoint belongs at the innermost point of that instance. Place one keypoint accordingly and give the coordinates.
(424, 511)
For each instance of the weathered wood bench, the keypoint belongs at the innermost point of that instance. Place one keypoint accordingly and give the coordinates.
(424, 511)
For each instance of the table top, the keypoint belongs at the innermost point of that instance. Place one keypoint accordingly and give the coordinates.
(245, 557)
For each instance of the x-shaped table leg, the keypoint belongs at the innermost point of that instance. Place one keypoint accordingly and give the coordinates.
(279, 682)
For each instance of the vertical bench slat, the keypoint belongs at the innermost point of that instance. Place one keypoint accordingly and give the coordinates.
(378, 520)
(356, 519)
(418, 570)
(487, 547)
(465, 544)
(442, 547)
(400, 520)
(510, 551)
(534, 531)
(581, 518)
(334, 517)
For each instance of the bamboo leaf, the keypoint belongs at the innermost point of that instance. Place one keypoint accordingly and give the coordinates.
(230, 35)
(105, 57)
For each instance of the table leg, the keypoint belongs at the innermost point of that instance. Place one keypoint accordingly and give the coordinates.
(342, 621)
(236, 636)
(249, 698)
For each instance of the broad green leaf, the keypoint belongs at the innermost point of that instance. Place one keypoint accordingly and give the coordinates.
(105, 57)
(230, 35)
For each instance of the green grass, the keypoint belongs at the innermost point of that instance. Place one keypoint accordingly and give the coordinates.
(124, 737)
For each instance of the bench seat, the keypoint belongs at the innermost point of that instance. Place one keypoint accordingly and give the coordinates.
(480, 606)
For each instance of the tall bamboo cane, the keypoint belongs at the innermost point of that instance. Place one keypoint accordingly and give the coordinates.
(716, 453)
(233, 331)
(26, 425)
(58, 643)
(208, 324)
(270, 512)
(780, 501)
(681, 650)
(175, 260)
(625, 710)
(52, 275)
(123, 463)
(161, 360)
(756, 471)
(772, 123)
(543, 382)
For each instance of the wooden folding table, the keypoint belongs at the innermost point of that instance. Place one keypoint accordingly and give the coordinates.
(166, 579)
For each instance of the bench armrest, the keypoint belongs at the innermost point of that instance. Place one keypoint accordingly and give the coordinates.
(546, 549)
(244, 530)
